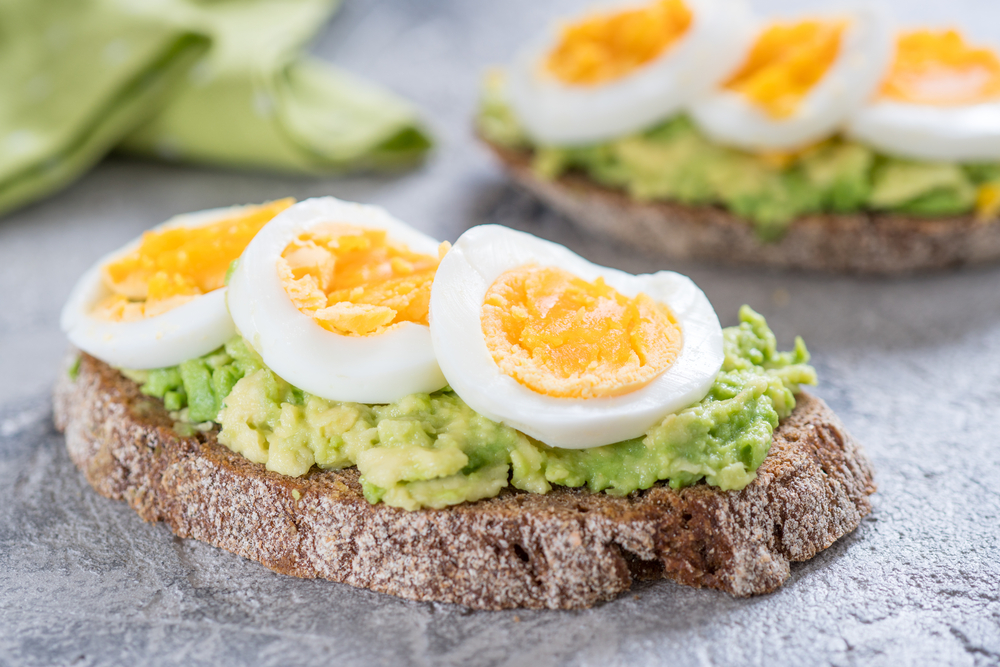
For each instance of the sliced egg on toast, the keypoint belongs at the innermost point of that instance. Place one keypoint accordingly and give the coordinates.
(800, 82)
(161, 299)
(333, 295)
(573, 354)
(940, 101)
(624, 67)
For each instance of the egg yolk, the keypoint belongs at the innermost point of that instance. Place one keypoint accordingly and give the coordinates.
(988, 202)
(562, 336)
(356, 281)
(941, 68)
(786, 61)
(607, 47)
(172, 266)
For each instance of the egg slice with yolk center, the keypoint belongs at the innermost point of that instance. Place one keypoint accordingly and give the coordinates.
(334, 297)
(786, 62)
(940, 101)
(624, 67)
(161, 299)
(573, 354)
(174, 264)
(799, 83)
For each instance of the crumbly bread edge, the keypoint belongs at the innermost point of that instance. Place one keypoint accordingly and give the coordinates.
(855, 243)
(566, 549)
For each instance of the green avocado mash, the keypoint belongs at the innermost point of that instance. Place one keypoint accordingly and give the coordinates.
(674, 161)
(432, 450)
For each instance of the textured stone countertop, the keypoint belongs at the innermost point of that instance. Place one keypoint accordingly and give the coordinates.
(912, 366)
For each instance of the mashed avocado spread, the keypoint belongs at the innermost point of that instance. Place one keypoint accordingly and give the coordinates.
(674, 161)
(432, 450)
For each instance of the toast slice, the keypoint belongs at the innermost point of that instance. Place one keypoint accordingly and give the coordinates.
(566, 549)
(862, 243)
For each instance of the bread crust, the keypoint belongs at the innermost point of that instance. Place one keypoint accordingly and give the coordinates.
(566, 549)
(863, 243)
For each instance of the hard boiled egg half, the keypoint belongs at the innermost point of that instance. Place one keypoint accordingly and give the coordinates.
(940, 101)
(624, 67)
(161, 299)
(573, 354)
(799, 82)
(333, 295)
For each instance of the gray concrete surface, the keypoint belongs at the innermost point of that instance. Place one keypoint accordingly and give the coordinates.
(912, 366)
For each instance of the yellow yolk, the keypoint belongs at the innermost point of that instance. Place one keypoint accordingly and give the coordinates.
(562, 336)
(786, 61)
(173, 266)
(940, 68)
(608, 47)
(355, 281)
(988, 202)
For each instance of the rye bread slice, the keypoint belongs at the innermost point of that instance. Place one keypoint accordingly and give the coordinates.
(566, 549)
(862, 243)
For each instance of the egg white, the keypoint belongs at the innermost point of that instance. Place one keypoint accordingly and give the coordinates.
(864, 56)
(478, 258)
(927, 132)
(556, 113)
(188, 331)
(378, 368)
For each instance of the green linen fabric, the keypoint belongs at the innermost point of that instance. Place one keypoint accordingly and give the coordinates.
(75, 77)
(214, 81)
(255, 101)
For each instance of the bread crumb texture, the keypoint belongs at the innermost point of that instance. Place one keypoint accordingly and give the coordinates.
(567, 549)
(865, 242)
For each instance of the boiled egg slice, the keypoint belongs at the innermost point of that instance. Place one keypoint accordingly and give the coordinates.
(161, 299)
(333, 296)
(799, 82)
(571, 353)
(624, 67)
(940, 101)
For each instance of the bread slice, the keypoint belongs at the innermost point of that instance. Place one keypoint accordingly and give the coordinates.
(864, 242)
(566, 549)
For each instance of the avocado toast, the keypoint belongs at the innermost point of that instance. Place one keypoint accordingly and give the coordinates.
(863, 242)
(569, 548)
(832, 141)
(538, 431)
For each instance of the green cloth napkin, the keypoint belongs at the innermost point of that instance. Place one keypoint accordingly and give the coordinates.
(75, 77)
(257, 102)
(214, 81)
